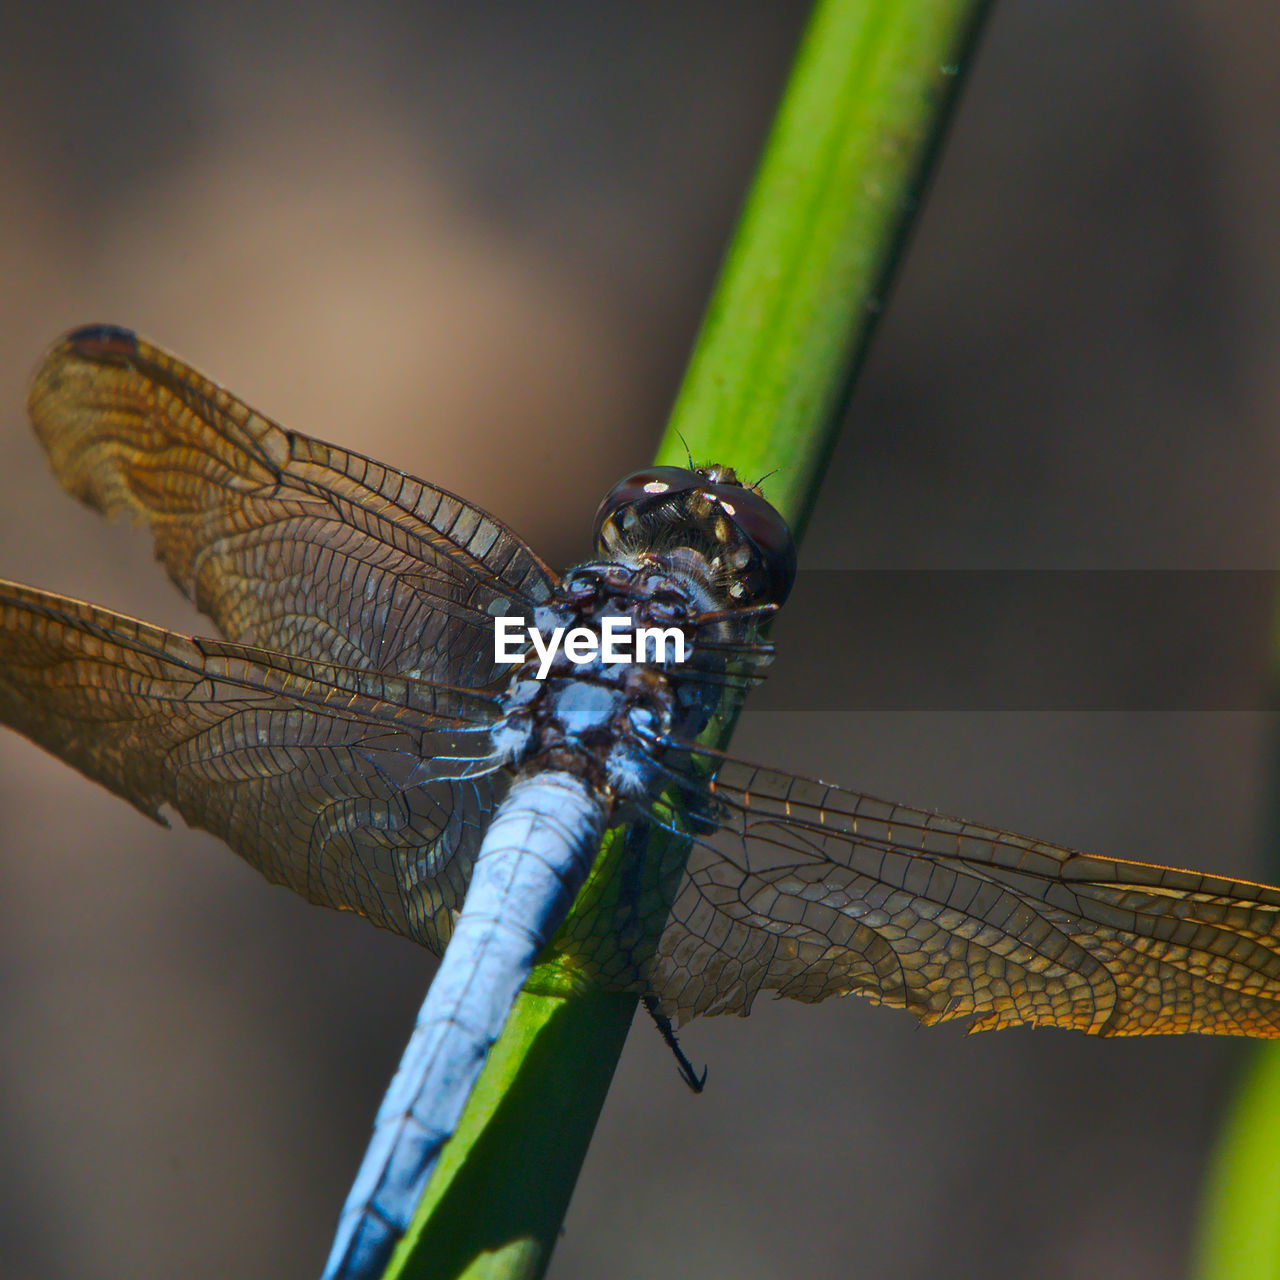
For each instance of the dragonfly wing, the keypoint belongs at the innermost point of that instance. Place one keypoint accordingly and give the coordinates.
(811, 891)
(285, 542)
(357, 790)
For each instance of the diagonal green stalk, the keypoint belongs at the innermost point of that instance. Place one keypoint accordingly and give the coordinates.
(1238, 1232)
(800, 290)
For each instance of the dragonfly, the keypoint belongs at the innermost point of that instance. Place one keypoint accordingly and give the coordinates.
(356, 735)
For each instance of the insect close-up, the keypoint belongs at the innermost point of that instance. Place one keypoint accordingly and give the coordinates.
(342, 721)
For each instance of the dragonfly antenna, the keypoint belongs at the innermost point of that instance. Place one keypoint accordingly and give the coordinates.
(755, 485)
(688, 453)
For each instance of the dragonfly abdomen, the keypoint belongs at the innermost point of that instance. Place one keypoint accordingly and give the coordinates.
(534, 858)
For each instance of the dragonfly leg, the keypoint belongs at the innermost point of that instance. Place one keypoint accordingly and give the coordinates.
(695, 1081)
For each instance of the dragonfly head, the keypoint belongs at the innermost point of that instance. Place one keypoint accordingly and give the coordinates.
(710, 511)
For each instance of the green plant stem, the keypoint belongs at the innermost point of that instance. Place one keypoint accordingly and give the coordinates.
(1238, 1235)
(798, 296)
(807, 272)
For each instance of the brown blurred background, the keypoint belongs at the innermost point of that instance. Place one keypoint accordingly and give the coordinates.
(473, 241)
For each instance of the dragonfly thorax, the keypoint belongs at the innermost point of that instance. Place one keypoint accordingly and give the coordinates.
(610, 722)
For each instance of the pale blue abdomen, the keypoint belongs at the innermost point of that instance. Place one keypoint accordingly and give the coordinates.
(534, 858)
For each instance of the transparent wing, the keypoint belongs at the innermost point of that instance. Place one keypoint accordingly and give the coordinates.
(357, 790)
(285, 542)
(811, 891)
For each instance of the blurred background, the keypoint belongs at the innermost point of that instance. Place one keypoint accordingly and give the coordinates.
(473, 242)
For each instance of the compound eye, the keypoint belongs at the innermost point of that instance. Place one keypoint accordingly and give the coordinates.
(767, 532)
(641, 490)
